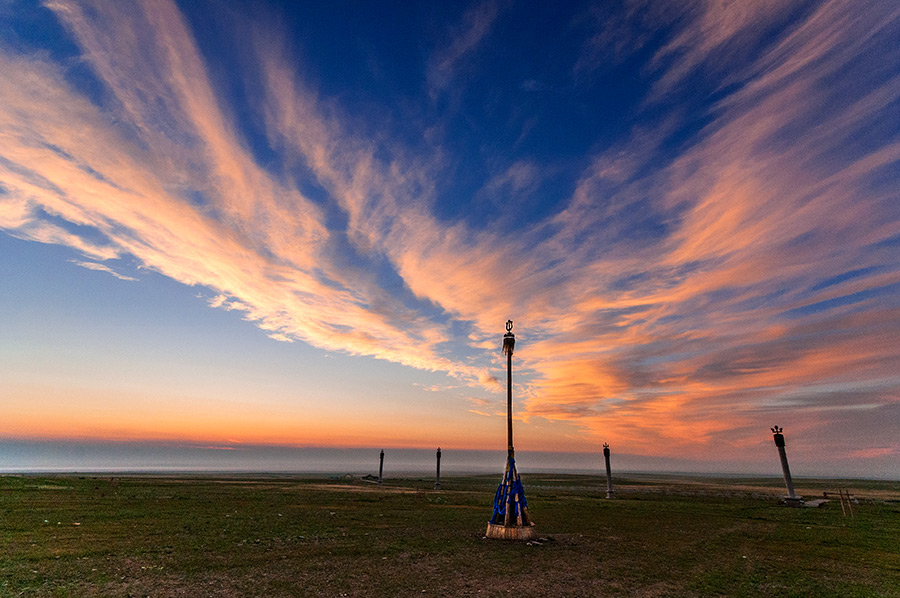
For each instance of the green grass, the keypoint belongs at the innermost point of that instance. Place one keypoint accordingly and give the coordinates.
(291, 536)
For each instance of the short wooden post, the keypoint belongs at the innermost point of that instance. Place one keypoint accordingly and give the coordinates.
(609, 489)
(437, 478)
(791, 499)
(845, 495)
(380, 465)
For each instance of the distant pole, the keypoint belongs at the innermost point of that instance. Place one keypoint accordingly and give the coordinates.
(609, 489)
(380, 466)
(437, 479)
(791, 499)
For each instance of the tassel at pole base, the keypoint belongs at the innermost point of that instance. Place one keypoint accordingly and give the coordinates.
(510, 532)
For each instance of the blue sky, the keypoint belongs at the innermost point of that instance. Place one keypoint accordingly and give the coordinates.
(305, 224)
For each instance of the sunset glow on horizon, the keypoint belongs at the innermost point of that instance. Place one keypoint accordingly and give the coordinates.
(264, 223)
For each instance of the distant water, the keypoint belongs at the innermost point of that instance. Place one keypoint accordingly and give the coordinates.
(160, 457)
(147, 457)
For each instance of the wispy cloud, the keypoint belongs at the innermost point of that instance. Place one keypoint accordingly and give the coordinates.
(717, 33)
(102, 268)
(258, 243)
(725, 299)
(446, 62)
(870, 453)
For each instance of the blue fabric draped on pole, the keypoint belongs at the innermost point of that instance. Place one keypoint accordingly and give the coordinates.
(510, 497)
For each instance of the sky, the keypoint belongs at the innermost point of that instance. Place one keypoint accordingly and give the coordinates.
(305, 224)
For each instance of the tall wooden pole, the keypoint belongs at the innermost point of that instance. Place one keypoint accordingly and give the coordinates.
(510, 520)
(509, 344)
(509, 403)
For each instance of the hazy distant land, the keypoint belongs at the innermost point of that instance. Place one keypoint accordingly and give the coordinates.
(19, 456)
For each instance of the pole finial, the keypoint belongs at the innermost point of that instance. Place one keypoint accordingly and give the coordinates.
(509, 339)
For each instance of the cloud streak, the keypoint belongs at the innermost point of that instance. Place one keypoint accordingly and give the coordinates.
(465, 39)
(102, 268)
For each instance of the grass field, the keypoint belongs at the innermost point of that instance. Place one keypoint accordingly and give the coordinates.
(315, 536)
